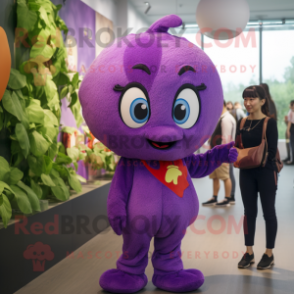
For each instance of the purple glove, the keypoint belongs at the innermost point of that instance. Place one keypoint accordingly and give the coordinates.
(233, 153)
(118, 223)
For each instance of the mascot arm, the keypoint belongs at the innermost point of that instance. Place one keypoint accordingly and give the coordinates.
(118, 195)
(201, 165)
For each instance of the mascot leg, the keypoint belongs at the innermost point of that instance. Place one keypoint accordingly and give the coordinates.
(129, 276)
(169, 274)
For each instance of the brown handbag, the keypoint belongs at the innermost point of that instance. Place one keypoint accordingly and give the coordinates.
(279, 163)
(255, 156)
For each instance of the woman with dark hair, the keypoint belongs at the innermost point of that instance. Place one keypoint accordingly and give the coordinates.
(260, 179)
(271, 104)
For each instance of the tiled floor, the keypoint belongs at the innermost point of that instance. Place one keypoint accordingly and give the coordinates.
(214, 252)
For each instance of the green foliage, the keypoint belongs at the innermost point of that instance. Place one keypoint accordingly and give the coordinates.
(30, 110)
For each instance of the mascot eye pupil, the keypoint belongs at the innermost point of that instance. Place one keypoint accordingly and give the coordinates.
(141, 111)
(180, 112)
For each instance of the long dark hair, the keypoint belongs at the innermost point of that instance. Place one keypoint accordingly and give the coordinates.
(257, 92)
(266, 89)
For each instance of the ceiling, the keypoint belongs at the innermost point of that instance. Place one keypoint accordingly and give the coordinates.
(186, 9)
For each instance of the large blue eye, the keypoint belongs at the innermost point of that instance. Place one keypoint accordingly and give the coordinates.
(139, 110)
(181, 111)
(134, 108)
(186, 108)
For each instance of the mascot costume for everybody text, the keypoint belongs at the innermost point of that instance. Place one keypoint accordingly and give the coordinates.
(154, 99)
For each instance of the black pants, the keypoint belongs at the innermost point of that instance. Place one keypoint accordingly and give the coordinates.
(264, 181)
(292, 141)
(232, 177)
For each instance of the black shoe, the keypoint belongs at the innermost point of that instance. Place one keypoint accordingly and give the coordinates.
(286, 159)
(265, 262)
(289, 163)
(224, 203)
(211, 202)
(232, 199)
(246, 260)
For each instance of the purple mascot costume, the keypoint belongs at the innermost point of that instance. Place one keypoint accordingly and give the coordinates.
(154, 99)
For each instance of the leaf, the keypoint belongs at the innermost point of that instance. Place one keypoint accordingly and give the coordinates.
(62, 159)
(60, 191)
(74, 99)
(62, 170)
(4, 186)
(52, 151)
(81, 179)
(68, 130)
(36, 188)
(12, 105)
(15, 147)
(16, 80)
(41, 49)
(36, 164)
(19, 159)
(15, 175)
(33, 198)
(22, 200)
(75, 80)
(5, 209)
(23, 139)
(46, 179)
(75, 183)
(73, 153)
(35, 114)
(47, 165)
(43, 16)
(4, 170)
(38, 144)
(61, 79)
(26, 19)
(50, 89)
(63, 92)
(50, 118)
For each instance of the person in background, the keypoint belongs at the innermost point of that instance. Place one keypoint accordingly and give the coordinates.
(239, 111)
(224, 132)
(271, 104)
(259, 179)
(229, 105)
(288, 148)
(290, 131)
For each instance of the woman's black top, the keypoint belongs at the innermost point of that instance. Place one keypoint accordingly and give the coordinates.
(252, 138)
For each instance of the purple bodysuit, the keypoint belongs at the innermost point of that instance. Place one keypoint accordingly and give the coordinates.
(154, 99)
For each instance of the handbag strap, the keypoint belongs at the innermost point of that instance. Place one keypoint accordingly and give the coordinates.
(265, 127)
(242, 123)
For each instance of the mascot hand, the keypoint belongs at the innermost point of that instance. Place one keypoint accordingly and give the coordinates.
(233, 153)
(118, 223)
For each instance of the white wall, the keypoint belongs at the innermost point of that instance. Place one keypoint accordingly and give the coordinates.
(136, 20)
(121, 12)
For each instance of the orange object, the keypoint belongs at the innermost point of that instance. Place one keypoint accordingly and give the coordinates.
(5, 62)
(91, 142)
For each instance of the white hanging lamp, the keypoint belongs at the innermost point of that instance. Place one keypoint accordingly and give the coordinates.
(222, 19)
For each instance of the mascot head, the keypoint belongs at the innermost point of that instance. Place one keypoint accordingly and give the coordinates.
(152, 96)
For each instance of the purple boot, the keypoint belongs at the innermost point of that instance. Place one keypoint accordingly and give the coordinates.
(182, 281)
(117, 281)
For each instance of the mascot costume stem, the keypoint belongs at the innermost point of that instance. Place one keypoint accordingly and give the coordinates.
(154, 99)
